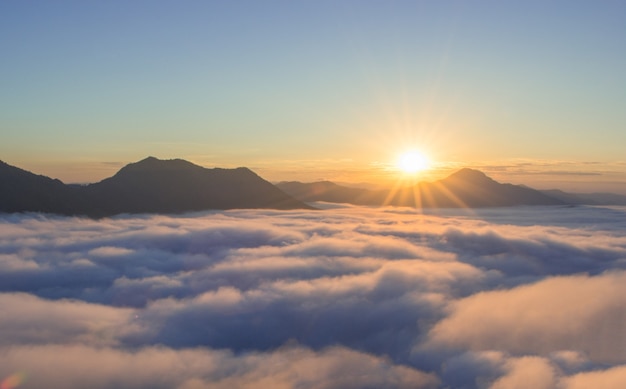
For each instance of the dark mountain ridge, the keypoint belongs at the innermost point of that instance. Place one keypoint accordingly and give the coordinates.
(175, 186)
(596, 198)
(148, 186)
(23, 191)
(466, 188)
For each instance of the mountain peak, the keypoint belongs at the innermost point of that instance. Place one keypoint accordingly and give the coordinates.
(147, 186)
(149, 159)
(467, 188)
(469, 175)
(153, 161)
(155, 164)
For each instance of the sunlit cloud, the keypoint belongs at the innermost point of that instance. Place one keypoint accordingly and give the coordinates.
(343, 297)
(560, 313)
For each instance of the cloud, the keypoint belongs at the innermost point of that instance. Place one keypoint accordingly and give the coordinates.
(603, 379)
(27, 319)
(527, 372)
(376, 311)
(560, 313)
(79, 366)
(473, 369)
(343, 297)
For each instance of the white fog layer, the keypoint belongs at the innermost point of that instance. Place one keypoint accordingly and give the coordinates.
(345, 297)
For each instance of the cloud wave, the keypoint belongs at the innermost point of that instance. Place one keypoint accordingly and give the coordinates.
(344, 297)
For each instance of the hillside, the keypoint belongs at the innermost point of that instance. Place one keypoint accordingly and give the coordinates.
(464, 188)
(147, 186)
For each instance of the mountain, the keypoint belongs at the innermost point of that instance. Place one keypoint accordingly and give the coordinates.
(23, 191)
(174, 186)
(597, 198)
(328, 192)
(464, 188)
(147, 186)
(472, 188)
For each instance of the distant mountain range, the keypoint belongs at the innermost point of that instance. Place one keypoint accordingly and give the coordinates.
(175, 186)
(465, 188)
(598, 198)
(147, 186)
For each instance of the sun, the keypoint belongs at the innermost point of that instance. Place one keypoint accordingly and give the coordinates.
(412, 162)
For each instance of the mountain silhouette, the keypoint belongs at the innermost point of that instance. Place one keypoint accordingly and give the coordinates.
(23, 191)
(147, 186)
(175, 186)
(466, 188)
(329, 192)
(597, 198)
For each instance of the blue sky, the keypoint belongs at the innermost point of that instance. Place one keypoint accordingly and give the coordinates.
(530, 90)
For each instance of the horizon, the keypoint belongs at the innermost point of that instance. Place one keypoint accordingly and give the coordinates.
(398, 179)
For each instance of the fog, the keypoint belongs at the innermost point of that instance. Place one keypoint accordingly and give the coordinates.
(344, 297)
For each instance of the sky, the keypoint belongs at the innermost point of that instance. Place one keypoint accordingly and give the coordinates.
(529, 91)
(342, 297)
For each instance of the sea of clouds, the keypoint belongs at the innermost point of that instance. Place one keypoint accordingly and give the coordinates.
(344, 297)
